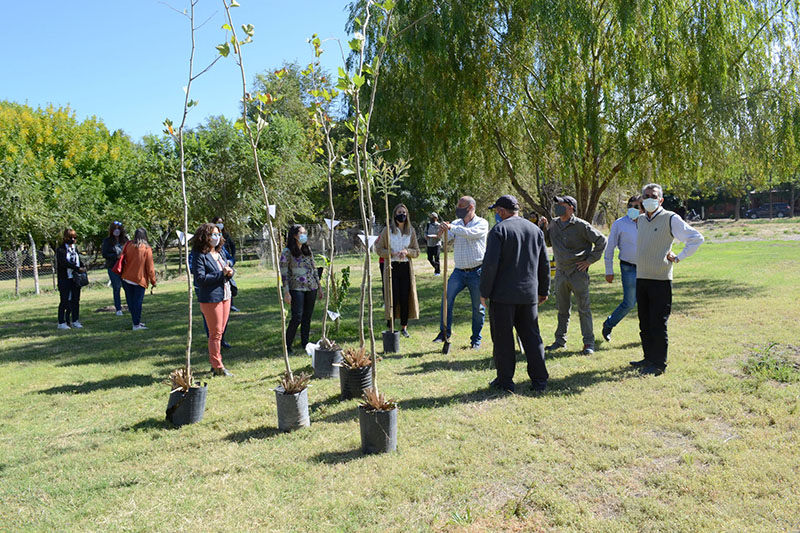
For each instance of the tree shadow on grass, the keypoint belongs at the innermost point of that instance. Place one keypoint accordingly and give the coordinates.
(259, 433)
(336, 457)
(118, 382)
(449, 365)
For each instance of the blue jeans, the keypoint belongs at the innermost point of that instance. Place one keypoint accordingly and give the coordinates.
(458, 281)
(134, 296)
(628, 275)
(116, 285)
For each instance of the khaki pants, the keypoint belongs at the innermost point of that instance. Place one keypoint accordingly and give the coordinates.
(578, 283)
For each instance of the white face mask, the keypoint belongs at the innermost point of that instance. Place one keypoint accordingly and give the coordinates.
(633, 213)
(220, 226)
(116, 233)
(650, 204)
(215, 239)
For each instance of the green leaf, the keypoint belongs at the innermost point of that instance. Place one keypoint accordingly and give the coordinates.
(320, 151)
(224, 49)
(249, 29)
(358, 81)
(355, 45)
(388, 5)
(227, 26)
(234, 3)
(239, 124)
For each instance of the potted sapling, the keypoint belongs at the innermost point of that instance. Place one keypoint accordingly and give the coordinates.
(292, 391)
(387, 181)
(187, 398)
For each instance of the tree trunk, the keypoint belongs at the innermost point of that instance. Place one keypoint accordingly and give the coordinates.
(738, 208)
(35, 264)
(17, 251)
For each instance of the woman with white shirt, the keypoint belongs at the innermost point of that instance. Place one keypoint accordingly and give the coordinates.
(68, 265)
(404, 248)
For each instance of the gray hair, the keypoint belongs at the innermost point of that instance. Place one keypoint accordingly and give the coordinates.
(469, 199)
(653, 187)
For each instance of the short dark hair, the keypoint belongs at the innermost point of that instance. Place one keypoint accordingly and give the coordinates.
(634, 198)
(70, 233)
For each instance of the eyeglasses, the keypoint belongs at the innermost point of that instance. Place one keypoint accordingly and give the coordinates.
(651, 196)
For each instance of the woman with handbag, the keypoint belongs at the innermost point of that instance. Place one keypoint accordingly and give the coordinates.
(111, 250)
(301, 286)
(137, 271)
(71, 273)
(213, 281)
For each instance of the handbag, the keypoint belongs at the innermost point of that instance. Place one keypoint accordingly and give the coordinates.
(120, 264)
(80, 279)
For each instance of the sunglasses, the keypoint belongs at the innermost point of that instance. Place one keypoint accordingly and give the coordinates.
(117, 223)
(651, 196)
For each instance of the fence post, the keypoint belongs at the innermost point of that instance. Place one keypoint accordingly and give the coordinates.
(16, 270)
(35, 263)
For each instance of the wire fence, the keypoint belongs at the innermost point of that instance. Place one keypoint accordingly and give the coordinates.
(19, 271)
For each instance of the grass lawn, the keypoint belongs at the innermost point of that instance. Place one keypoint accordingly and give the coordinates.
(705, 447)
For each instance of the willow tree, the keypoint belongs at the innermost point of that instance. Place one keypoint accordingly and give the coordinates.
(581, 91)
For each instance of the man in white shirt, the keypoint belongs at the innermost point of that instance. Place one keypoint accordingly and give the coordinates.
(468, 232)
(623, 236)
(656, 231)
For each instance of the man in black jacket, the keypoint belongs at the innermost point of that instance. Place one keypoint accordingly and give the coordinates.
(515, 280)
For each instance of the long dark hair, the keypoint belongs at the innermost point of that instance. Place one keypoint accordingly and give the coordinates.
(140, 238)
(291, 242)
(123, 236)
(69, 234)
(406, 225)
(202, 239)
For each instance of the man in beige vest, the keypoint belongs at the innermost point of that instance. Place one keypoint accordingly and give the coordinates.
(657, 229)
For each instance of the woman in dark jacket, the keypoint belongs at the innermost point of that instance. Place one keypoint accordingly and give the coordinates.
(214, 284)
(111, 250)
(68, 265)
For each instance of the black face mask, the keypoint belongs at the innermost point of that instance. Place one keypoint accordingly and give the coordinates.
(433, 221)
(559, 210)
(400, 217)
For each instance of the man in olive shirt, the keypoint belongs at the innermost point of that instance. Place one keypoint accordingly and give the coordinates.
(576, 245)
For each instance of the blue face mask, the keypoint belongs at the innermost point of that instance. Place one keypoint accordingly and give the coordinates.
(303, 238)
(559, 210)
(498, 218)
(633, 213)
(215, 239)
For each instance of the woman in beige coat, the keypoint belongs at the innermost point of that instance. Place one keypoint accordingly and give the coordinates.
(404, 248)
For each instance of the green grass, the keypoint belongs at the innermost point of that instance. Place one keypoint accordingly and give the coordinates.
(705, 447)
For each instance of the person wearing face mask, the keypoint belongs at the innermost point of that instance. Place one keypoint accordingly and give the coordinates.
(576, 245)
(404, 248)
(68, 264)
(433, 242)
(468, 233)
(515, 279)
(229, 249)
(657, 229)
(137, 272)
(111, 250)
(623, 236)
(301, 286)
(213, 281)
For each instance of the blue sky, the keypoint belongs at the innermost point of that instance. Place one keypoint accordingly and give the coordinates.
(126, 61)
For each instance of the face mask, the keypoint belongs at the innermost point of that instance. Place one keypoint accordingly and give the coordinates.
(302, 237)
(559, 210)
(220, 226)
(433, 221)
(116, 233)
(461, 212)
(498, 218)
(214, 239)
(71, 241)
(400, 217)
(650, 204)
(633, 213)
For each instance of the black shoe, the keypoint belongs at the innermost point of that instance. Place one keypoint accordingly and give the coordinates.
(553, 347)
(588, 349)
(222, 371)
(651, 370)
(475, 346)
(606, 332)
(405, 333)
(495, 384)
(224, 344)
(537, 390)
(637, 364)
(439, 337)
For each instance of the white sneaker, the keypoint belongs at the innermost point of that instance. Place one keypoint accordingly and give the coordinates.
(139, 326)
(63, 325)
(119, 313)
(437, 274)
(77, 324)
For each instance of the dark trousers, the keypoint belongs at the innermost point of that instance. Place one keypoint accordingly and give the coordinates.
(70, 302)
(302, 309)
(401, 288)
(503, 320)
(654, 299)
(134, 297)
(433, 257)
